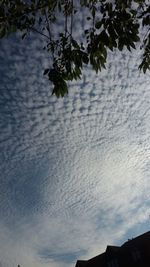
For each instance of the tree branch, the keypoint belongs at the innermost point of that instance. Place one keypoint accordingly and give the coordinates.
(35, 30)
(48, 26)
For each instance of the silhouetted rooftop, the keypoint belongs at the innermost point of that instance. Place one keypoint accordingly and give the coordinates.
(80, 263)
(111, 254)
(138, 240)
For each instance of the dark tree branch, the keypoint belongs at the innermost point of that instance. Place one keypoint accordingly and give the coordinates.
(35, 30)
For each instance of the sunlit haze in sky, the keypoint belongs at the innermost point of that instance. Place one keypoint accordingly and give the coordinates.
(74, 172)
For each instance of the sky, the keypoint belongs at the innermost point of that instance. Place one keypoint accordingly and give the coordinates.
(74, 171)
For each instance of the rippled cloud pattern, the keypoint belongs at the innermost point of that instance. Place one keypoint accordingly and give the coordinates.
(74, 172)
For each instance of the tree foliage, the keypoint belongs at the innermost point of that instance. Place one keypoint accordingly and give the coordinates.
(110, 25)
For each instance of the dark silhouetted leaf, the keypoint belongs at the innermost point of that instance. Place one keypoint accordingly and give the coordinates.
(46, 71)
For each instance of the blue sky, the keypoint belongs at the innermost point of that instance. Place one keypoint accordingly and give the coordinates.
(74, 171)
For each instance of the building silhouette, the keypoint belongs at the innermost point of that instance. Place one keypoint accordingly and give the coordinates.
(133, 253)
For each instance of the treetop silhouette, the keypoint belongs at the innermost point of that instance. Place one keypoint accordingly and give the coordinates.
(111, 25)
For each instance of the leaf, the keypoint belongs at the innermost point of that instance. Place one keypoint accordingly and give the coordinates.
(85, 58)
(144, 68)
(93, 11)
(144, 65)
(60, 89)
(146, 20)
(75, 44)
(46, 71)
(133, 45)
(120, 45)
(128, 47)
(112, 32)
(98, 24)
(54, 76)
(104, 38)
(133, 12)
(23, 35)
(141, 65)
(136, 38)
(86, 31)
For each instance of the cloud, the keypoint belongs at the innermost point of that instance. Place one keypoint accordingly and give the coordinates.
(74, 171)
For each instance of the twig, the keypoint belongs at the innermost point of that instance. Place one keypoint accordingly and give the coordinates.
(71, 25)
(49, 31)
(48, 26)
(35, 30)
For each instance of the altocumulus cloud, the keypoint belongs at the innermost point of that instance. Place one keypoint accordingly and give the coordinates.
(74, 171)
